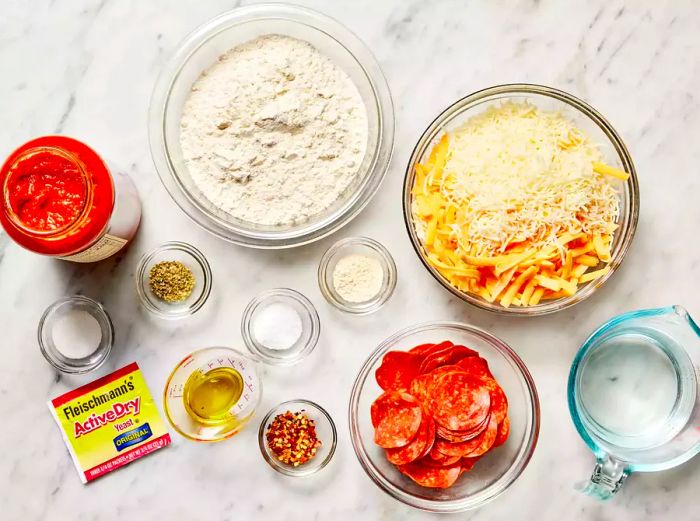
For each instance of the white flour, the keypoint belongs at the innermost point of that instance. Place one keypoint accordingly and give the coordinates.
(273, 133)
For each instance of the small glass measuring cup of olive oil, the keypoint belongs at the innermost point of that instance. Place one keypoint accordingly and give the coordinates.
(212, 394)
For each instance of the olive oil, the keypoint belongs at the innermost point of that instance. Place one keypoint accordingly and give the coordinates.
(210, 396)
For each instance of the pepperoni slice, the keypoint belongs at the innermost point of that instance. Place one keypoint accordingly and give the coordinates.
(430, 436)
(474, 447)
(468, 464)
(419, 387)
(427, 349)
(503, 432)
(423, 384)
(479, 368)
(397, 371)
(499, 402)
(476, 366)
(396, 418)
(460, 436)
(438, 459)
(432, 477)
(459, 402)
(422, 349)
(446, 357)
(417, 447)
(483, 443)
(468, 351)
(441, 411)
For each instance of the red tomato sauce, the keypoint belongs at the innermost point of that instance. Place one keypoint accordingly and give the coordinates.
(46, 191)
(57, 196)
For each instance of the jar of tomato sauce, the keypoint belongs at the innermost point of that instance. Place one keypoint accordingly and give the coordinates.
(60, 198)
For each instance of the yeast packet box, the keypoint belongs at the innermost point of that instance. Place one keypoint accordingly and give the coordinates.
(109, 422)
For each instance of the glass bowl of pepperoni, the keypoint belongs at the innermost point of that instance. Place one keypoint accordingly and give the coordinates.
(444, 416)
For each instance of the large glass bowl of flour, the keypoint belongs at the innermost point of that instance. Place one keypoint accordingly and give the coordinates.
(234, 160)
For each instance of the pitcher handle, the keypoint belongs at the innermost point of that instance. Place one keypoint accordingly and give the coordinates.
(608, 476)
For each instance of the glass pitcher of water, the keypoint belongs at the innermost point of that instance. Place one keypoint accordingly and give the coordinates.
(633, 395)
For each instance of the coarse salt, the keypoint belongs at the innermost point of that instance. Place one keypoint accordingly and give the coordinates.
(277, 326)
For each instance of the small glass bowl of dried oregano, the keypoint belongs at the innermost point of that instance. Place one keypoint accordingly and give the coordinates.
(174, 280)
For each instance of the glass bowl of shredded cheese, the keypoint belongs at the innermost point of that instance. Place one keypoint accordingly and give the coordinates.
(521, 199)
(271, 126)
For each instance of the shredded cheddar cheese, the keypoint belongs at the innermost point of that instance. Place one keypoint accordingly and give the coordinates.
(515, 205)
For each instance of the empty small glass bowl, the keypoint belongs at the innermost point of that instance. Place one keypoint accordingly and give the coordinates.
(361, 246)
(498, 469)
(190, 257)
(51, 352)
(310, 327)
(325, 431)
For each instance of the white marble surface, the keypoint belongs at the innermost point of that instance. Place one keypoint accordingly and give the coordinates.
(86, 69)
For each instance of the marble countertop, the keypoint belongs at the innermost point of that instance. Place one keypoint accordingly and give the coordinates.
(87, 68)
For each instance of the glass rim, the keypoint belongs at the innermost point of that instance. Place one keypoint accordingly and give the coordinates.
(626, 233)
(311, 230)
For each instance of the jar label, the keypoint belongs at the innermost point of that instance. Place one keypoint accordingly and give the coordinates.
(105, 247)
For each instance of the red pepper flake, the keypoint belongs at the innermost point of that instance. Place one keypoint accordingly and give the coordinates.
(292, 438)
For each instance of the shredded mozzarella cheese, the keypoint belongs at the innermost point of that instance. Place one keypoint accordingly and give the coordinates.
(521, 175)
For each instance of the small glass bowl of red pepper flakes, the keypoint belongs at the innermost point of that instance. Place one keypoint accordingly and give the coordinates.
(297, 438)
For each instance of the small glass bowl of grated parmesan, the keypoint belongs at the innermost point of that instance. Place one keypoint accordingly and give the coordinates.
(521, 199)
(357, 275)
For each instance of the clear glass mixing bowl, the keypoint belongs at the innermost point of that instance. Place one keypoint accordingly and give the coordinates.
(200, 49)
(491, 475)
(588, 120)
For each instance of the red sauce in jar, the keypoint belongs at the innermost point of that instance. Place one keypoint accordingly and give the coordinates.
(46, 190)
(58, 197)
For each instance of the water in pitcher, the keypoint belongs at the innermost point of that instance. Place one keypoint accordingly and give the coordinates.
(633, 392)
(630, 385)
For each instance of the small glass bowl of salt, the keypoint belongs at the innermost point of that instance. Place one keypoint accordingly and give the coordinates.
(280, 326)
(357, 275)
(75, 334)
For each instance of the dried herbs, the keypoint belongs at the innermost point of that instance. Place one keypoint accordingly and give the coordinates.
(171, 281)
